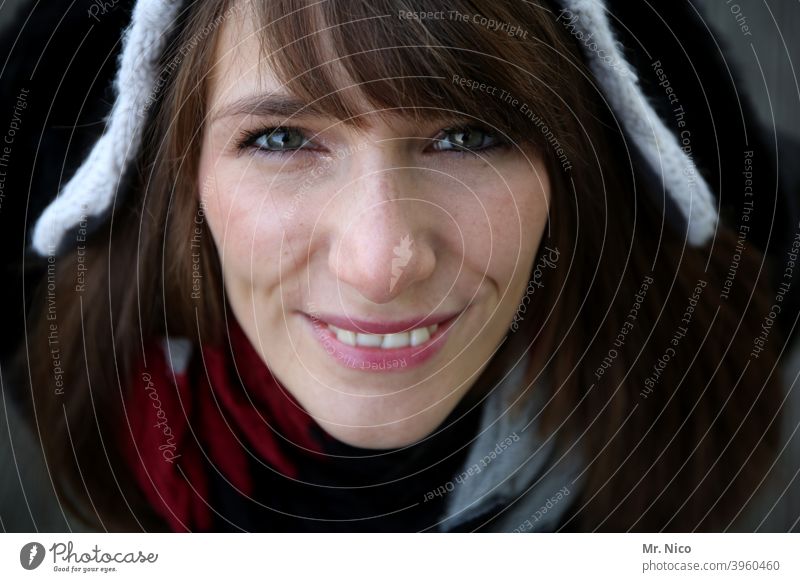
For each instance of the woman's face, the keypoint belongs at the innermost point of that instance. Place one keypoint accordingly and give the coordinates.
(375, 271)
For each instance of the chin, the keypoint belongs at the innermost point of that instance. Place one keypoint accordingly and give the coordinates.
(386, 429)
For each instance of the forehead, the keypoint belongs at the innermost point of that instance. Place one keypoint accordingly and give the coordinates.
(237, 67)
(353, 67)
(241, 69)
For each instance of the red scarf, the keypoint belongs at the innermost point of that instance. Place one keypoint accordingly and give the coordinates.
(207, 418)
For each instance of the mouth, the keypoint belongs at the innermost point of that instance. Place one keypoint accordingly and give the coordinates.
(382, 346)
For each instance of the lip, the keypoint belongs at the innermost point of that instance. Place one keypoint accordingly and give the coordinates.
(374, 359)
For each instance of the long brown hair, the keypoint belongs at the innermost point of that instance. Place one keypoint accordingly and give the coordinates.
(675, 443)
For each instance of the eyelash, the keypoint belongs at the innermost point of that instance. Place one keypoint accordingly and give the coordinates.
(247, 139)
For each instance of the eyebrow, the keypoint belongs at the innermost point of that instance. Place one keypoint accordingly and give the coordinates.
(270, 105)
(284, 106)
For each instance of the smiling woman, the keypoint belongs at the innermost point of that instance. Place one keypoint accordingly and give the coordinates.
(414, 248)
(371, 296)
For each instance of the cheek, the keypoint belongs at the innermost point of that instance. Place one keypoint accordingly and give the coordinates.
(246, 227)
(502, 229)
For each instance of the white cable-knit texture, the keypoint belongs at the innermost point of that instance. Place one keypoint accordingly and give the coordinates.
(660, 148)
(91, 190)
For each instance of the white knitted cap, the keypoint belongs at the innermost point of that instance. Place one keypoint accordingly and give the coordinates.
(657, 144)
(90, 192)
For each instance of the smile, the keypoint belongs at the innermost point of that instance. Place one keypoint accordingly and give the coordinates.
(415, 337)
(382, 346)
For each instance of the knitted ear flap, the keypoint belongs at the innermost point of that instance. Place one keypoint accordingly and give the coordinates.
(91, 190)
(657, 144)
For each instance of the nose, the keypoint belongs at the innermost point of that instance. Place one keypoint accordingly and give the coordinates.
(383, 244)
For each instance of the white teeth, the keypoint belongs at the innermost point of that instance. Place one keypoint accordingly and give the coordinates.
(395, 340)
(420, 336)
(413, 338)
(346, 337)
(369, 339)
